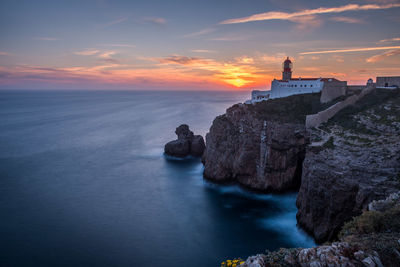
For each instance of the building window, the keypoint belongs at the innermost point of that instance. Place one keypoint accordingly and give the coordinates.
(295, 85)
(311, 85)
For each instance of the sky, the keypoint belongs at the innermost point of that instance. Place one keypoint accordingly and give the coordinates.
(193, 45)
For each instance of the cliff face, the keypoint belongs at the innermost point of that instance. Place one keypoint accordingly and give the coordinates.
(353, 159)
(261, 147)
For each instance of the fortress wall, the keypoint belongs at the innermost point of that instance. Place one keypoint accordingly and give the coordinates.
(352, 88)
(390, 81)
(315, 120)
(332, 90)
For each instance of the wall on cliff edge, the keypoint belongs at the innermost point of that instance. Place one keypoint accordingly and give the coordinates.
(314, 120)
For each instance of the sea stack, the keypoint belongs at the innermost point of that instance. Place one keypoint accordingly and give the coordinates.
(187, 144)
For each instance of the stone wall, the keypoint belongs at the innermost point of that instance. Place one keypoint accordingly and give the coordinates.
(388, 81)
(333, 89)
(352, 89)
(315, 120)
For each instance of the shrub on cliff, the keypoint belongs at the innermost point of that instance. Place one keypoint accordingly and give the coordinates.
(378, 231)
(372, 222)
(288, 109)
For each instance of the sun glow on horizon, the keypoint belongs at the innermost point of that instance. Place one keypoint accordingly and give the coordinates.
(195, 52)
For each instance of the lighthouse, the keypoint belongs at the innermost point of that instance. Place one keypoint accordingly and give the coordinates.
(287, 70)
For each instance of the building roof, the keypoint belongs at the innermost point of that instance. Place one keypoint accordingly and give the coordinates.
(310, 79)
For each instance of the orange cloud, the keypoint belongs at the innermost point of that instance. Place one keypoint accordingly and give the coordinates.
(88, 52)
(191, 71)
(276, 15)
(348, 20)
(383, 56)
(391, 40)
(362, 49)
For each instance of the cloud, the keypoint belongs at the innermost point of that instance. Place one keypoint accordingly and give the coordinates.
(117, 21)
(348, 20)
(156, 21)
(278, 58)
(203, 51)
(240, 72)
(107, 54)
(245, 60)
(352, 50)
(391, 40)
(383, 56)
(307, 22)
(200, 33)
(276, 15)
(231, 38)
(88, 52)
(47, 38)
(182, 60)
(107, 57)
(2, 53)
(118, 45)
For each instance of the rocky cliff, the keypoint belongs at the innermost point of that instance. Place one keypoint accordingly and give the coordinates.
(371, 239)
(352, 160)
(260, 146)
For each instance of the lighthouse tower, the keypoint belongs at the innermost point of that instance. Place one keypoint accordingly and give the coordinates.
(287, 70)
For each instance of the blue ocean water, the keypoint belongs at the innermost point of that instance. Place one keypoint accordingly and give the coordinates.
(83, 182)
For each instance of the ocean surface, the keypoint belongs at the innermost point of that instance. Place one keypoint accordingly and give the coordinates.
(84, 182)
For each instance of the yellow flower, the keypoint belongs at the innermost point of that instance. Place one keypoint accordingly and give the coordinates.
(241, 262)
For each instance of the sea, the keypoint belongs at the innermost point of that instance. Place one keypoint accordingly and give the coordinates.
(84, 182)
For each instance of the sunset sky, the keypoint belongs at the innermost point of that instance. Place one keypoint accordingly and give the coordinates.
(193, 45)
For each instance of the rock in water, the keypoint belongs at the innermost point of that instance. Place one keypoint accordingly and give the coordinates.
(183, 132)
(186, 144)
(178, 148)
(197, 146)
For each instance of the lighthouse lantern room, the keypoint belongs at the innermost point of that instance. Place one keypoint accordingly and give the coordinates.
(287, 70)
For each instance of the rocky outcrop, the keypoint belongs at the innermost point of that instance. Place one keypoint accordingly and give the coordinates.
(352, 160)
(337, 254)
(371, 239)
(186, 144)
(259, 146)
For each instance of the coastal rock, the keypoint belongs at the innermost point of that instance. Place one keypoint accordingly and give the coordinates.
(356, 162)
(197, 146)
(186, 144)
(255, 150)
(178, 148)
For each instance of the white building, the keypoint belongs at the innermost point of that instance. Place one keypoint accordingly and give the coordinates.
(293, 86)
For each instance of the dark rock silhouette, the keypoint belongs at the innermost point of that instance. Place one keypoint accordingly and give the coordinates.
(186, 144)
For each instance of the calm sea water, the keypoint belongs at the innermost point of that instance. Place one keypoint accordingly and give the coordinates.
(83, 182)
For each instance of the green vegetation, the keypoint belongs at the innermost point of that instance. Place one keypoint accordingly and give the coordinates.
(293, 108)
(376, 230)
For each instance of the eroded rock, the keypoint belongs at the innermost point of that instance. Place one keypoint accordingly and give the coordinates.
(186, 144)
